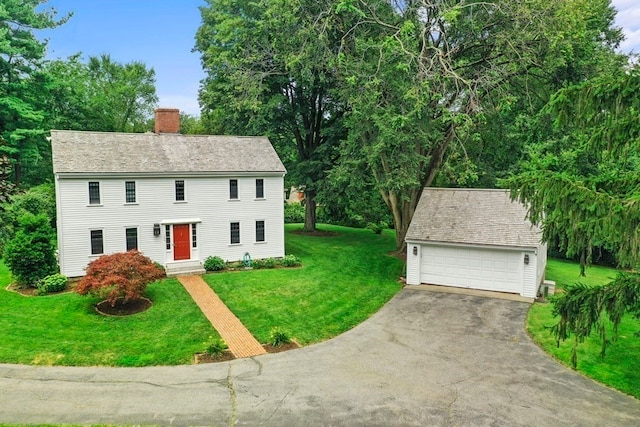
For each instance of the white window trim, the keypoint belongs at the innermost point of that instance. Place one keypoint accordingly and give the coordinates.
(265, 232)
(99, 194)
(104, 250)
(237, 199)
(137, 236)
(239, 233)
(264, 193)
(184, 190)
(135, 186)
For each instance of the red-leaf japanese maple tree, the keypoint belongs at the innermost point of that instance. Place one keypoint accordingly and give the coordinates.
(119, 277)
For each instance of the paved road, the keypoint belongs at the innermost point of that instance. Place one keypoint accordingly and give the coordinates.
(424, 359)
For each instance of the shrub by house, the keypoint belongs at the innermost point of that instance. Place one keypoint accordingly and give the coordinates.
(119, 277)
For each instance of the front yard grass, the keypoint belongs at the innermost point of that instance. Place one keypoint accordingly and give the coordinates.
(64, 329)
(344, 279)
(619, 369)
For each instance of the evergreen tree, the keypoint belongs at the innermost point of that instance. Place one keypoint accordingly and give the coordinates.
(30, 255)
(586, 193)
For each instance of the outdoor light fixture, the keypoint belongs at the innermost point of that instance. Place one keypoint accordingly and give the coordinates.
(415, 250)
(156, 229)
(526, 258)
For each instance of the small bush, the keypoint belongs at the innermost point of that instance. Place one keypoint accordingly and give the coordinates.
(118, 277)
(234, 265)
(52, 283)
(378, 227)
(270, 263)
(30, 254)
(290, 261)
(293, 213)
(278, 337)
(160, 266)
(215, 346)
(213, 263)
(258, 263)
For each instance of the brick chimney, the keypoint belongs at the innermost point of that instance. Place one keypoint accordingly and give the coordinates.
(167, 120)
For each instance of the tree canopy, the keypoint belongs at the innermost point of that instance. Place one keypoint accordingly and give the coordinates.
(585, 190)
(419, 77)
(21, 55)
(271, 70)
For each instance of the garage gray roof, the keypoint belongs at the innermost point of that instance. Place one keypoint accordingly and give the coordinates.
(77, 152)
(472, 216)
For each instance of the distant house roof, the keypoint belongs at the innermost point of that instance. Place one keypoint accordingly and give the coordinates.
(77, 152)
(472, 216)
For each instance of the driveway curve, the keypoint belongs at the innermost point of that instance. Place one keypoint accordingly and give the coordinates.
(424, 359)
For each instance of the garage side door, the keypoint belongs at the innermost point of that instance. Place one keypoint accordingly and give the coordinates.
(486, 269)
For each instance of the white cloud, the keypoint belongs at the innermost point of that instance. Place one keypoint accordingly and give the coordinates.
(628, 18)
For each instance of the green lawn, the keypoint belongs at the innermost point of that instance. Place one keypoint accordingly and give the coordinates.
(64, 329)
(619, 369)
(344, 279)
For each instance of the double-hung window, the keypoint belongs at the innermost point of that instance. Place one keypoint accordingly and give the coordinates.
(235, 233)
(233, 189)
(94, 193)
(130, 191)
(259, 231)
(259, 188)
(132, 238)
(97, 242)
(180, 190)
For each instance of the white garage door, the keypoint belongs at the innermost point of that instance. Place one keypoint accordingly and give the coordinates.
(487, 269)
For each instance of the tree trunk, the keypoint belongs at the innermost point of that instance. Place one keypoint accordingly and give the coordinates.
(309, 211)
(402, 211)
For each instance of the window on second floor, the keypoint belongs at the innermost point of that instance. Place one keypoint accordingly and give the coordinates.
(233, 189)
(130, 191)
(259, 188)
(179, 190)
(235, 233)
(94, 193)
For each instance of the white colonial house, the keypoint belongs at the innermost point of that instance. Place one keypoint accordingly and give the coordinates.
(176, 198)
(477, 239)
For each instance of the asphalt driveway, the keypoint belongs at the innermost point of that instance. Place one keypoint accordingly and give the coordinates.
(424, 359)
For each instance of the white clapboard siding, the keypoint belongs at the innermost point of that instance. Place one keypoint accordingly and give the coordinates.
(206, 202)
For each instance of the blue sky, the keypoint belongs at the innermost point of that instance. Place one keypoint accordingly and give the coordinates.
(161, 33)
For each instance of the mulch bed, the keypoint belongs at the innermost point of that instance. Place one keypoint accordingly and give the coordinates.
(227, 355)
(124, 308)
(33, 292)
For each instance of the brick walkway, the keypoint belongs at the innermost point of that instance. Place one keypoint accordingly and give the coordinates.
(240, 341)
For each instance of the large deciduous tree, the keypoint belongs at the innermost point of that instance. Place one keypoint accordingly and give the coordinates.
(122, 96)
(21, 55)
(586, 193)
(100, 94)
(419, 74)
(271, 69)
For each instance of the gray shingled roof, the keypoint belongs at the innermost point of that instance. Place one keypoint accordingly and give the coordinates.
(149, 153)
(470, 216)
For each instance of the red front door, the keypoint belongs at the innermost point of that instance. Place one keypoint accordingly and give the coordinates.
(181, 244)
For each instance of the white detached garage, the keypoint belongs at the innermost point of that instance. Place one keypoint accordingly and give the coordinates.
(474, 238)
